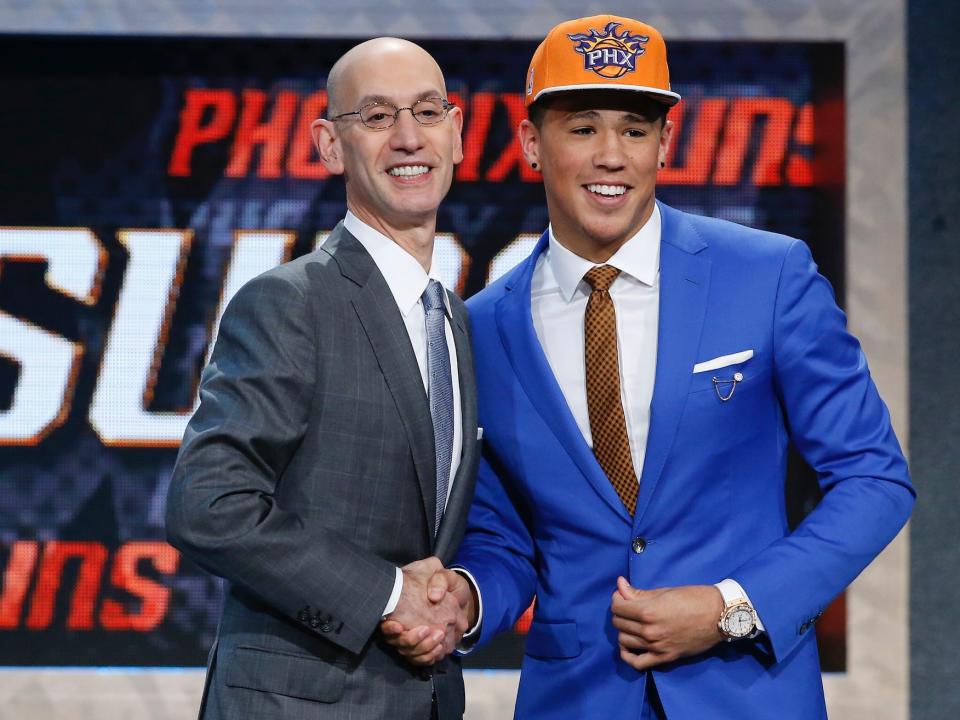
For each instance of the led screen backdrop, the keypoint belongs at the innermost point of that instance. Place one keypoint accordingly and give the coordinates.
(145, 180)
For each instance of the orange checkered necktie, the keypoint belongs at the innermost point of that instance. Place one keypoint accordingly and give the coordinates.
(611, 445)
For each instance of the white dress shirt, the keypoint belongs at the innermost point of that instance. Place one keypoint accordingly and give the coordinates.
(559, 296)
(407, 281)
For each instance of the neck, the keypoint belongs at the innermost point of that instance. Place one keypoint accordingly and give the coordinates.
(416, 239)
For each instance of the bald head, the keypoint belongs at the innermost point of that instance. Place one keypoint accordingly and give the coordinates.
(345, 79)
(397, 173)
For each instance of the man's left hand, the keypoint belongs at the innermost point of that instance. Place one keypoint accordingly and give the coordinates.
(660, 626)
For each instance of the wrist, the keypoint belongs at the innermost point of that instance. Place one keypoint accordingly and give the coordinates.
(737, 619)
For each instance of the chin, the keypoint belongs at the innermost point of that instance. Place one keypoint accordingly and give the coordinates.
(604, 236)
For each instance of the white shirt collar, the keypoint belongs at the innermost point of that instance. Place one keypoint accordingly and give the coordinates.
(402, 271)
(639, 258)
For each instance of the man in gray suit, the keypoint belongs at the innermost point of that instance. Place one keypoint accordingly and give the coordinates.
(327, 472)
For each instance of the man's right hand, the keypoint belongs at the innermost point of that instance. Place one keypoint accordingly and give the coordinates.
(436, 608)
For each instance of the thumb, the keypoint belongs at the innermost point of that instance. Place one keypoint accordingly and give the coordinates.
(437, 586)
(627, 591)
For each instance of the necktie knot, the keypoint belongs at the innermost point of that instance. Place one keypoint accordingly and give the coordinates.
(601, 277)
(432, 297)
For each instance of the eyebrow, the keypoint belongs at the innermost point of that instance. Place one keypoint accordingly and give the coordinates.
(593, 115)
(368, 99)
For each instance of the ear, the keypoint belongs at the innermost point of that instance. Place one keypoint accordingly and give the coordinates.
(529, 138)
(666, 135)
(326, 137)
(455, 115)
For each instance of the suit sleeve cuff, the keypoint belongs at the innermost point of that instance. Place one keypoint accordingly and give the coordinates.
(395, 595)
(732, 590)
(470, 637)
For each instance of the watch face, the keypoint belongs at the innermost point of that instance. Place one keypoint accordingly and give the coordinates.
(740, 622)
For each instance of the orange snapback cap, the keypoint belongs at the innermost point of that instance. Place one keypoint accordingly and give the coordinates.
(603, 52)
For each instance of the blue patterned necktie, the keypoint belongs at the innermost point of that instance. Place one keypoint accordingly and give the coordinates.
(440, 389)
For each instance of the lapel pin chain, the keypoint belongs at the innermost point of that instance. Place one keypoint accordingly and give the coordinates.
(717, 382)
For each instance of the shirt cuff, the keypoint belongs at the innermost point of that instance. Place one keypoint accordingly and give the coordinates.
(471, 636)
(732, 590)
(395, 595)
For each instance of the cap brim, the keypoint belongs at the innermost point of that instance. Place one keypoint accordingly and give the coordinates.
(667, 97)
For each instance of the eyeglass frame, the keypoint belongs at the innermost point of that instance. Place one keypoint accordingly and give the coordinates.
(446, 104)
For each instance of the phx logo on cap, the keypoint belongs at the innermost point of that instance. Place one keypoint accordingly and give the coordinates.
(610, 55)
(625, 55)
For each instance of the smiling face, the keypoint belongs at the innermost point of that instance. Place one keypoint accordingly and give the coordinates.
(599, 152)
(395, 178)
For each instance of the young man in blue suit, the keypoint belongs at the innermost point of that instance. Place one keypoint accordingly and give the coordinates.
(640, 376)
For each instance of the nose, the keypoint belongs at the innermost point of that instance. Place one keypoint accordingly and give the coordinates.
(407, 133)
(609, 153)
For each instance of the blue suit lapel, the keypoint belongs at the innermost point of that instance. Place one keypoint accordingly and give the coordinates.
(515, 324)
(684, 284)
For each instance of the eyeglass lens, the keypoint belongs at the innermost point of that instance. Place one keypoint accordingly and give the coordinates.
(380, 116)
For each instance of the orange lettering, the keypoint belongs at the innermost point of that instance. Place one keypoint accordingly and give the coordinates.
(154, 597)
(511, 155)
(16, 581)
(93, 557)
(773, 144)
(271, 135)
(481, 110)
(701, 146)
(192, 133)
(301, 162)
(799, 170)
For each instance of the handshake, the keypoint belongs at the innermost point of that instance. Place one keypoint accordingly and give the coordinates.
(436, 607)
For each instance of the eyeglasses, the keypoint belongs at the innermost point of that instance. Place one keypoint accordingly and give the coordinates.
(383, 115)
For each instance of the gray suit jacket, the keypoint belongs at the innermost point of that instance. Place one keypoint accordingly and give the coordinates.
(304, 477)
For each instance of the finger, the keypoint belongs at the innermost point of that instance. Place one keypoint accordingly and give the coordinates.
(431, 656)
(639, 661)
(629, 626)
(632, 642)
(410, 638)
(392, 627)
(425, 646)
(628, 609)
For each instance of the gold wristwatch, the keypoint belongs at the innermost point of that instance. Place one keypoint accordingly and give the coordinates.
(738, 619)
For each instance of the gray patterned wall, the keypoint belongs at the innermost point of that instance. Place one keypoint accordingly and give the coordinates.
(876, 684)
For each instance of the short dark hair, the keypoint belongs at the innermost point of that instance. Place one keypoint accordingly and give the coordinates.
(648, 107)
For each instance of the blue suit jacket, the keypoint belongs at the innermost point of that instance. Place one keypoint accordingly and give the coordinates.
(547, 521)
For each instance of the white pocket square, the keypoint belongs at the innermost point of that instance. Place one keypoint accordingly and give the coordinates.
(479, 433)
(723, 361)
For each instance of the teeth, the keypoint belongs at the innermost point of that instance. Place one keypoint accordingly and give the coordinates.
(607, 189)
(408, 170)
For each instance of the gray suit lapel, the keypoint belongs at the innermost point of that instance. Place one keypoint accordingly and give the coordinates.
(383, 325)
(461, 494)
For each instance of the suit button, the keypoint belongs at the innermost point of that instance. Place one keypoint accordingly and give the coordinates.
(804, 628)
(304, 616)
(315, 622)
(638, 545)
(326, 627)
